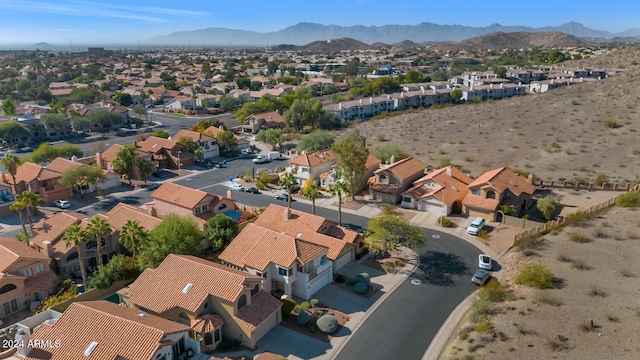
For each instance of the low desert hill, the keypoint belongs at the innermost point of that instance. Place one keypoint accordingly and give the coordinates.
(327, 46)
(519, 40)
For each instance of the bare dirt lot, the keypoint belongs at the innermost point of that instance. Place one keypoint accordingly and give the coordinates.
(592, 312)
(571, 133)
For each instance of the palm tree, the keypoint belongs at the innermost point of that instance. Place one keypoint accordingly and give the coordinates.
(132, 235)
(311, 191)
(33, 200)
(29, 200)
(98, 227)
(339, 188)
(18, 206)
(11, 163)
(75, 236)
(288, 181)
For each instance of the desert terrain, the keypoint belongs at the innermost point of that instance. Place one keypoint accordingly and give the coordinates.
(571, 133)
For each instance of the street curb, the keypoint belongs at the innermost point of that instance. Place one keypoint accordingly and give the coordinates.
(375, 305)
(442, 337)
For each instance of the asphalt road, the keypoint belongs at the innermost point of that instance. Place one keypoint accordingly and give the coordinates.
(404, 325)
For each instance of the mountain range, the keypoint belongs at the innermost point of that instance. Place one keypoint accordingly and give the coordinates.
(304, 33)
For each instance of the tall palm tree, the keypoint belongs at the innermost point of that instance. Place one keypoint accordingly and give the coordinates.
(339, 188)
(288, 181)
(132, 235)
(75, 236)
(311, 191)
(11, 163)
(33, 200)
(27, 200)
(18, 206)
(98, 227)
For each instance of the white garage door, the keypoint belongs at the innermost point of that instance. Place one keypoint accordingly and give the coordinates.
(342, 261)
(320, 281)
(433, 208)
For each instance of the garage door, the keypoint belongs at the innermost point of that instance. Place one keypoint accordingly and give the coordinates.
(342, 261)
(484, 215)
(320, 281)
(433, 208)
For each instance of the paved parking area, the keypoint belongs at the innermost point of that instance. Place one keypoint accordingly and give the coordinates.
(286, 342)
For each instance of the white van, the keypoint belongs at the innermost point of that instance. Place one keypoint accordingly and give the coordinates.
(476, 225)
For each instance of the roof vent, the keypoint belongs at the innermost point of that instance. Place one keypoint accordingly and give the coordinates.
(187, 288)
(142, 314)
(90, 349)
(299, 235)
(454, 188)
(512, 183)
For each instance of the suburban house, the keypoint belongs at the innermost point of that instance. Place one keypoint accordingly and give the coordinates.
(343, 244)
(171, 198)
(105, 160)
(39, 179)
(121, 213)
(256, 122)
(61, 165)
(25, 276)
(310, 165)
(288, 264)
(496, 188)
(329, 178)
(437, 192)
(212, 299)
(166, 153)
(207, 142)
(390, 181)
(241, 143)
(104, 330)
(47, 239)
(181, 103)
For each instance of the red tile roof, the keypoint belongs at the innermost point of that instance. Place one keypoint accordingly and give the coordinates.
(12, 250)
(207, 323)
(193, 135)
(404, 168)
(162, 288)
(314, 158)
(450, 181)
(121, 213)
(502, 179)
(272, 116)
(262, 306)
(29, 172)
(182, 196)
(119, 331)
(52, 229)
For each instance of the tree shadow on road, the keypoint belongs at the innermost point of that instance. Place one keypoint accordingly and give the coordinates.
(440, 269)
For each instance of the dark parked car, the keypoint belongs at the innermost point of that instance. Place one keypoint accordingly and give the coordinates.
(252, 190)
(159, 174)
(283, 197)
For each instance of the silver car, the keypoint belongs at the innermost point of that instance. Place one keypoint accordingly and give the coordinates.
(480, 277)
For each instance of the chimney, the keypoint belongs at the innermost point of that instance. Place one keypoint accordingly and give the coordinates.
(422, 91)
(501, 85)
(135, 144)
(49, 247)
(153, 212)
(74, 158)
(99, 162)
(221, 127)
(581, 78)
(552, 81)
(360, 101)
(434, 90)
(340, 106)
(530, 178)
(23, 338)
(229, 194)
(287, 214)
(402, 94)
(490, 86)
(370, 100)
(101, 103)
(392, 159)
(449, 170)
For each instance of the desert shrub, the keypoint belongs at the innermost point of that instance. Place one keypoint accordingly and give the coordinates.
(444, 161)
(380, 137)
(628, 199)
(327, 324)
(444, 222)
(557, 343)
(611, 123)
(388, 266)
(484, 327)
(578, 217)
(545, 297)
(480, 307)
(535, 275)
(596, 291)
(340, 279)
(362, 277)
(313, 302)
(360, 288)
(304, 317)
(579, 237)
(260, 185)
(303, 306)
(529, 242)
(493, 290)
(601, 178)
(579, 264)
(626, 272)
(507, 210)
(483, 234)
(269, 178)
(288, 305)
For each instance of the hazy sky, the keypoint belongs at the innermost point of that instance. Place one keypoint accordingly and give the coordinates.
(118, 21)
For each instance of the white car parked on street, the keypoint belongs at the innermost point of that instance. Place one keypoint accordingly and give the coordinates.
(62, 204)
(484, 262)
(236, 187)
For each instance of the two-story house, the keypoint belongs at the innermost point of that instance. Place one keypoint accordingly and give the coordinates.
(437, 192)
(47, 239)
(171, 198)
(495, 188)
(288, 264)
(212, 299)
(166, 153)
(241, 143)
(40, 180)
(25, 276)
(389, 182)
(104, 330)
(310, 165)
(262, 121)
(207, 142)
(329, 178)
(105, 160)
(61, 165)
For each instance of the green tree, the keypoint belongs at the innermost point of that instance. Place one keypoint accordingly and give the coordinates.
(412, 77)
(220, 230)
(75, 236)
(174, 235)
(68, 151)
(317, 140)
(8, 108)
(227, 140)
(288, 181)
(500, 71)
(125, 161)
(206, 68)
(338, 189)
(104, 120)
(548, 205)
(45, 152)
(272, 137)
(352, 159)
(311, 191)
(201, 126)
(308, 114)
(31, 201)
(141, 110)
(243, 83)
(387, 151)
(123, 98)
(228, 103)
(456, 94)
(132, 236)
(84, 95)
(99, 228)
(56, 121)
(390, 230)
(12, 132)
(160, 133)
(119, 268)
(18, 206)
